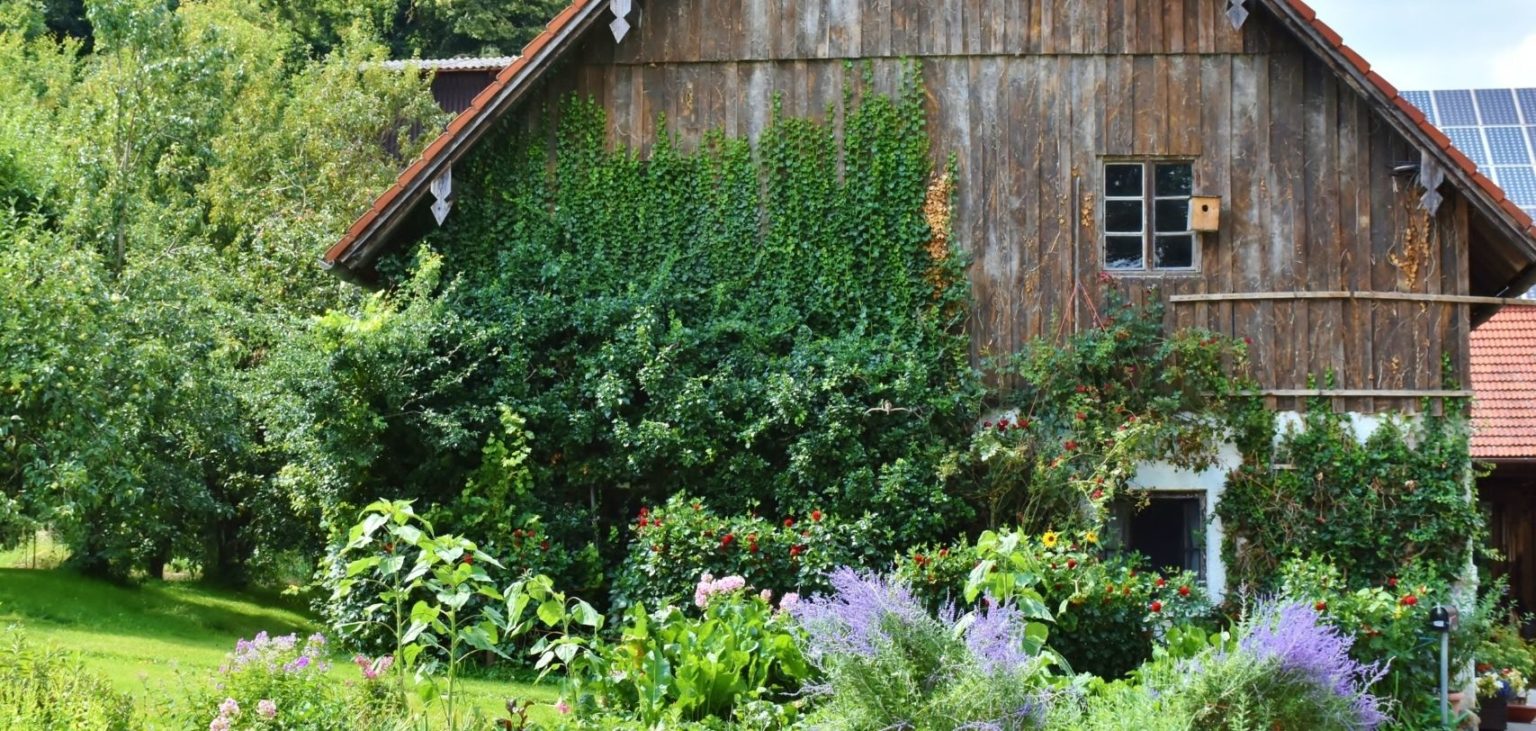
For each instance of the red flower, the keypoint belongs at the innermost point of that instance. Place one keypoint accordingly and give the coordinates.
(1409, 600)
(795, 551)
(752, 548)
(644, 511)
(943, 553)
(1183, 591)
(1023, 424)
(642, 522)
(1392, 583)
(815, 516)
(789, 522)
(986, 425)
(1247, 341)
(1097, 494)
(697, 507)
(726, 540)
(1320, 606)
(469, 559)
(1082, 416)
(1071, 563)
(1082, 389)
(544, 545)
(1161, 582)
(919, 559)
(1156, 607)
(1071, 445)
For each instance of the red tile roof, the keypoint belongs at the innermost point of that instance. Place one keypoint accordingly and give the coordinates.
(1504, 378)
(373, 228)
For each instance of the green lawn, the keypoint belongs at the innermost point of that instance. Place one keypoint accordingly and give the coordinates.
(139, 637)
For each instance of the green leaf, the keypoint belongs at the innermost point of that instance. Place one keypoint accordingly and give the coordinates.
(551, 612)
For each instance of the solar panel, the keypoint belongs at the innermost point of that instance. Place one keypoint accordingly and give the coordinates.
(1497, 106)
(1496, 128)
(1470, 141)
(1506, 146)
(1527, 99)
(1455, 109)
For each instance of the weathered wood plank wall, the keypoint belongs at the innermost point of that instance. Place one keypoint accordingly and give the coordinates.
(1032, 95)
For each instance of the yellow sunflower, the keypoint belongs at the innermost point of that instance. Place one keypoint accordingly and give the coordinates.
(1091, 538)
(1050, 539)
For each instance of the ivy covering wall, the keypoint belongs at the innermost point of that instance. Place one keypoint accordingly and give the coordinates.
(771, 328)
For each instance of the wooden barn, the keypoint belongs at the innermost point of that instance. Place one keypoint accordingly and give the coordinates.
(1233, 154)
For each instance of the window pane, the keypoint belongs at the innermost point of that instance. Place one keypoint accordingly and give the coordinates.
(1122, 252)
(1122, 180)
(1175, 252)
(1171, 216)
(1122, 216)
(1175, 179)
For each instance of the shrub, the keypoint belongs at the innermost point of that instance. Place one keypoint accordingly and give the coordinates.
(890, 663)
(1286, 670)
(1335, 494)
(1104, 610)
(735, 658)
(1390, 626)
(42, 689)
(673, 544)
(282, 683)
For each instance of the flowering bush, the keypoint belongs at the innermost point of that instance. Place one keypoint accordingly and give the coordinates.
(1090, 406)
(674, 543)
(42, 689)
(1104, 611)
(1390, 624)
(677, 665)
(1507, 683)
(889, 662)
(281, 683)
(1287, 670)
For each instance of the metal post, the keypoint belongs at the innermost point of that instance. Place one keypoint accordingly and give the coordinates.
(1445, 680)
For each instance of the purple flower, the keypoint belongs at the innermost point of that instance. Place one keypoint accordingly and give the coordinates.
(1292, 636)
(855, 619)
(266, 708)
(995, 637)
(219, 724)
(298, 664)
(229, 708)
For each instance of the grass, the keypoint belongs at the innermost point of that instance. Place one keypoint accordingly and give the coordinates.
(138, 638)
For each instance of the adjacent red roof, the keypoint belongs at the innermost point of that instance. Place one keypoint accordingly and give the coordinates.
(1504, 378)
(371, 232)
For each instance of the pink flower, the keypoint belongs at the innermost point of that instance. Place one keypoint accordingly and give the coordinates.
(266, 708)
(766, 595)
(788, 601)
(219, 724)
(563, 707)
(229, 708)
(709, 586)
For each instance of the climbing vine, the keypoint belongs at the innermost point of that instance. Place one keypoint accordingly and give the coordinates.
(771, 326)
(1401, 497)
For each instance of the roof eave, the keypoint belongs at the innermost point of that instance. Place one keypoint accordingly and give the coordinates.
(1506, 219)
(353, 256)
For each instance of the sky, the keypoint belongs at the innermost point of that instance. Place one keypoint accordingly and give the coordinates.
(1440, 44)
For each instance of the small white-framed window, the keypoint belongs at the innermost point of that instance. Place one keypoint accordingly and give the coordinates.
(1147, 216)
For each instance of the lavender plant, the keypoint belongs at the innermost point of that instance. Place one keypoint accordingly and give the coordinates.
(889, 663)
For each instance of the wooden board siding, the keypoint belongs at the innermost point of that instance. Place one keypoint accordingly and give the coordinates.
(1031, 96)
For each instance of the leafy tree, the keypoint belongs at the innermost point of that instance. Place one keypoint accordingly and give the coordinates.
(181, 177)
